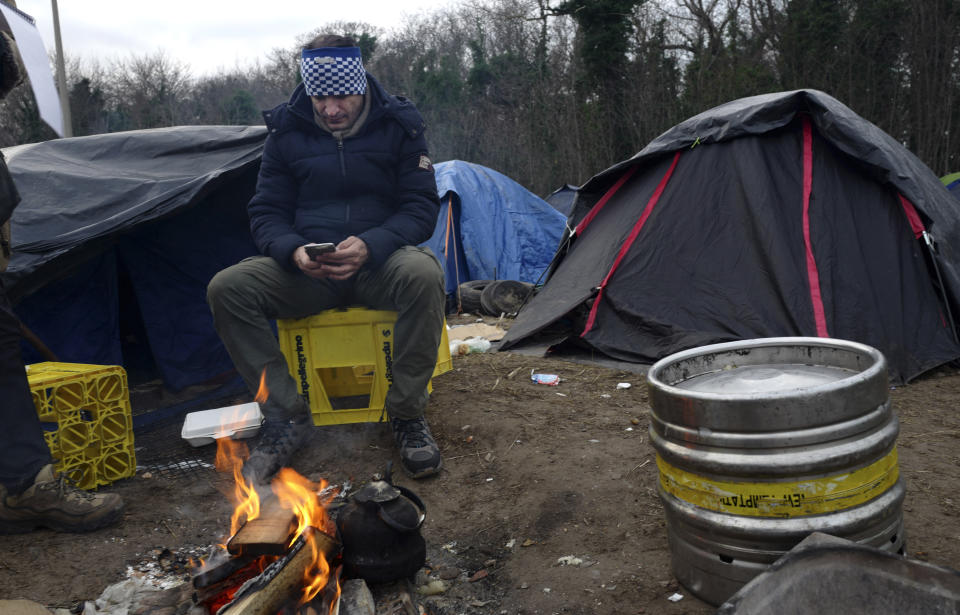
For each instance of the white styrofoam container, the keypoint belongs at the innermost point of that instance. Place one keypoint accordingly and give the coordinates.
(205, 426)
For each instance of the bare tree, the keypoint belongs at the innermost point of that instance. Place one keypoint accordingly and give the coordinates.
(551, 92)
(150, 91)
(932, 65)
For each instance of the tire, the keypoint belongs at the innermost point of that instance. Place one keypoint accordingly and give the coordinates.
(505, 297)
(469, 293)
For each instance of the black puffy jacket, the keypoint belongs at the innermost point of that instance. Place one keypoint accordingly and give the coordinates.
(377, 185)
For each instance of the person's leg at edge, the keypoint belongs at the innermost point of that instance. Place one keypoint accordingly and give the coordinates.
(245, 299)
(411, 283)
(32, 493)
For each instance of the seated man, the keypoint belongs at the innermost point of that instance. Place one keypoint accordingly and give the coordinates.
(344, 163)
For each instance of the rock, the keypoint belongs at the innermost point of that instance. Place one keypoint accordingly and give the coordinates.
(22, 607)
(432, 588)
(117, 594)
(356, 598)
(156, 599)
(448, 572)
(478, 575)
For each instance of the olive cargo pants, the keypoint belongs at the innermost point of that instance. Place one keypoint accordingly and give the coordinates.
(247, 297)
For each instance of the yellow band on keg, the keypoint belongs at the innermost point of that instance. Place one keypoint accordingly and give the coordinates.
(810, 496)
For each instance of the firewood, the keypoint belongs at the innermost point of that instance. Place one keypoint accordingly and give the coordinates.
(282, 581)
(224, 570)
(209, 593)
(268, 534)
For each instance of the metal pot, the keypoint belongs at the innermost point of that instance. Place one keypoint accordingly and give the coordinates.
(380, 529)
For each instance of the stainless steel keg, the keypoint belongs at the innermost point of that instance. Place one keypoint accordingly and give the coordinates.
(761, 442)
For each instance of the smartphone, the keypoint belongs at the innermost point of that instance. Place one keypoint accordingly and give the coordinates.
(316, 249)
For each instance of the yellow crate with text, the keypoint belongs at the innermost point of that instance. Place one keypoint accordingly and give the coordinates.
(342, 362)
(85, 414)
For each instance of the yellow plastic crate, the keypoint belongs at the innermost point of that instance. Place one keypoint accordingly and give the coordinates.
(85, 412)
(341, 360)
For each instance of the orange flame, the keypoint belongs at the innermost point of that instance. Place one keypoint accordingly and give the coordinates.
(306, 499)
(263, 392)
(303, 497)
(230, 457)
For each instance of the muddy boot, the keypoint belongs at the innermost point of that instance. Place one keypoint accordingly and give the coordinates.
(52, 502)
(279, 440)
(419, 453)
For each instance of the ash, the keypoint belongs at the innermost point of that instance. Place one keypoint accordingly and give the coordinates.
(158, 583)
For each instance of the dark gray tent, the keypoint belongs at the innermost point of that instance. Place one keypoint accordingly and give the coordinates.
(775, 215)
(117, 236)
(562, 198)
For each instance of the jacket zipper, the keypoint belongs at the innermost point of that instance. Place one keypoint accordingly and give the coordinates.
(343, 173)
(343, 166)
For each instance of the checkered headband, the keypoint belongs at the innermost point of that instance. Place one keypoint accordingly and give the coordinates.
(333, 71)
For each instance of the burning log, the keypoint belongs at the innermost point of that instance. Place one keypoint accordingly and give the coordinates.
(219, 568)
(268, 534)
(283, 580)
(220, 576)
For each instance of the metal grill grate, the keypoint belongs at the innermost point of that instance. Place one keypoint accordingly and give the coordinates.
(162, 452)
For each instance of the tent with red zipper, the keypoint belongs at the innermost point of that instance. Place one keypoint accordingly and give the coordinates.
(775, 215)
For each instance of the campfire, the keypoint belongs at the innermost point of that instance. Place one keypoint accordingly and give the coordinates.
(282, 556)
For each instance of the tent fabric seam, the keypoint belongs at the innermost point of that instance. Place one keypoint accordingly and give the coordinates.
(813, 275)
(916, 224)
(634, 233)
(606, 197)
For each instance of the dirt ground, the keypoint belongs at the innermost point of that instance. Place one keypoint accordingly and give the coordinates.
(533, 473)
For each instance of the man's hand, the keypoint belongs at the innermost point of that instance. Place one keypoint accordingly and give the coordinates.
(341, 264)
(312, 268)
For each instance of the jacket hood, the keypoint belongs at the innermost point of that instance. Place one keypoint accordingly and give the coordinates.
(382, 104)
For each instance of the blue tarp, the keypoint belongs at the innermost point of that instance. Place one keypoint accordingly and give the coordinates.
(490, 227)
(952, 182)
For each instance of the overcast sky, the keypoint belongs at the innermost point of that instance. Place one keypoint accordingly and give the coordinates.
(203, 34)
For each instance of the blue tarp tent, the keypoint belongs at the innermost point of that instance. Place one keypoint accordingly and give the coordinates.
(952, 182)
(490, 227)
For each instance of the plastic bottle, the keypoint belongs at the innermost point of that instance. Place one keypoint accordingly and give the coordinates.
(472, 345)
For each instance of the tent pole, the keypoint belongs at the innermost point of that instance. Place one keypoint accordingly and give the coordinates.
(61, 75)
(928, 240)
(456, 265)
(37, 343)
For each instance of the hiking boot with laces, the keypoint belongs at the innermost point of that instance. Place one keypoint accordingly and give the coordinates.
(53, 502)
(419, 454)
(279, 440)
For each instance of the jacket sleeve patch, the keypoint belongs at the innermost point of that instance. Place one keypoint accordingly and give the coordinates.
(425, 163)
